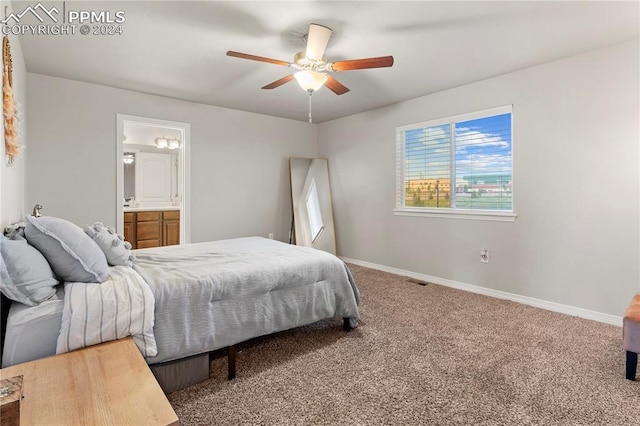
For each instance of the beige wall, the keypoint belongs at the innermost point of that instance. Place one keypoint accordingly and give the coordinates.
(12, 177)
(575, 121)
(239, 160)
(576, 168)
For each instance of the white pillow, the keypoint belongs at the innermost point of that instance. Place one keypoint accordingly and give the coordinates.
(117, 251)
(72, 254)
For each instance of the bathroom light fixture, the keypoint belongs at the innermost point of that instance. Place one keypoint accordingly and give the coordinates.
(128, 158)
(168, 143)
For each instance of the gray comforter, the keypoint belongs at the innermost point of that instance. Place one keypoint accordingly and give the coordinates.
(215, 294)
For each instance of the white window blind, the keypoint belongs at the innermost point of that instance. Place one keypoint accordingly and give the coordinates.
(456, 164)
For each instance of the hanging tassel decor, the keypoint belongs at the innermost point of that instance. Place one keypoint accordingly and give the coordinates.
(12, 149)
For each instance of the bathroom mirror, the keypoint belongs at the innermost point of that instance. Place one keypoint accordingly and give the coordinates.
(152, 181)
(311, 198)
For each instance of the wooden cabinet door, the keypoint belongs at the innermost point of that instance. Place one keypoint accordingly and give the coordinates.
(149, 229)
(149, 234)
(148, 244)
(171, 233)
(149, 216)
(130, 233)
(130, 228)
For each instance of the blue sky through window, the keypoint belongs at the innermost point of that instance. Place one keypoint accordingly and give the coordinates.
(483, 147)
(428, 152)
(483, 163)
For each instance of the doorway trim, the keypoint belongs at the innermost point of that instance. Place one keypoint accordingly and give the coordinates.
(185, 181)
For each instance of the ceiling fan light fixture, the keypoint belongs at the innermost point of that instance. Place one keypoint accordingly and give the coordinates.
(303, 62)
(310, 81)
(312, 64)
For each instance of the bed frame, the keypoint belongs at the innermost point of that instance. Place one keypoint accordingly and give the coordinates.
(5, 304)
(184, 372)
(171, 375)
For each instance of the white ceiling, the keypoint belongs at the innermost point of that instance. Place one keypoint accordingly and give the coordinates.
(177, 48)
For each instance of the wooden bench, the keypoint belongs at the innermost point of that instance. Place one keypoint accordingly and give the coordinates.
(631, 336)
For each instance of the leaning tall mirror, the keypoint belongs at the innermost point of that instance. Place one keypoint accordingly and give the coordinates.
(311, 197)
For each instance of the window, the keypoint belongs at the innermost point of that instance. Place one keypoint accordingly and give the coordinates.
(458, 166)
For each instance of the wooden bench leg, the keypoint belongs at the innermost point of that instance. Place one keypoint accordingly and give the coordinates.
(632, 363)
(231, 361)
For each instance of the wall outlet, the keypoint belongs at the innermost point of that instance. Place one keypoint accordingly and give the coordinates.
(484, 256)
(271, 235)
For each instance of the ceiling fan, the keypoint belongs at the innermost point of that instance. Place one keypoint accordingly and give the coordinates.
(312, 64)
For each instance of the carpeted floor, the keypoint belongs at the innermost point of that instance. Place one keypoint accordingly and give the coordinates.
(424, 355)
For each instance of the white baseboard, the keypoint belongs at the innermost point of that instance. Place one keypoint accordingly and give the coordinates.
(538, 303)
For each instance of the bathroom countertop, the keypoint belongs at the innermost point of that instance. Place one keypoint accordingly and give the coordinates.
(150, 209)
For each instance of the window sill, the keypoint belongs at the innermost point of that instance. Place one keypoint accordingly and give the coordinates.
(490, 215)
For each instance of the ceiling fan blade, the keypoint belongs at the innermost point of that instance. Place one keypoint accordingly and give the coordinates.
(279, 83)
(317, 41)
(359, 64)
(335, 86)
(257, 58)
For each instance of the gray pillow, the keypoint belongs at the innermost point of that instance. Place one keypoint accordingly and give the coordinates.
(72, 254)
(117, 251)
(25, 275)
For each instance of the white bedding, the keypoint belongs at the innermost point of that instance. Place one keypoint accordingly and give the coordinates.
(32, 331)
(120, 306)
(216, 294)
(207, 296)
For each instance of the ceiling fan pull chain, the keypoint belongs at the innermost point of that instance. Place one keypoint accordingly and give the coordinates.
(310, 93)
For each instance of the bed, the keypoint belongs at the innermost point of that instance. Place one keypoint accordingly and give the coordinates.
(234, 290)
(208, 296)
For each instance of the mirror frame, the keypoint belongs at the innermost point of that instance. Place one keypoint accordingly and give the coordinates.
(185, 182)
